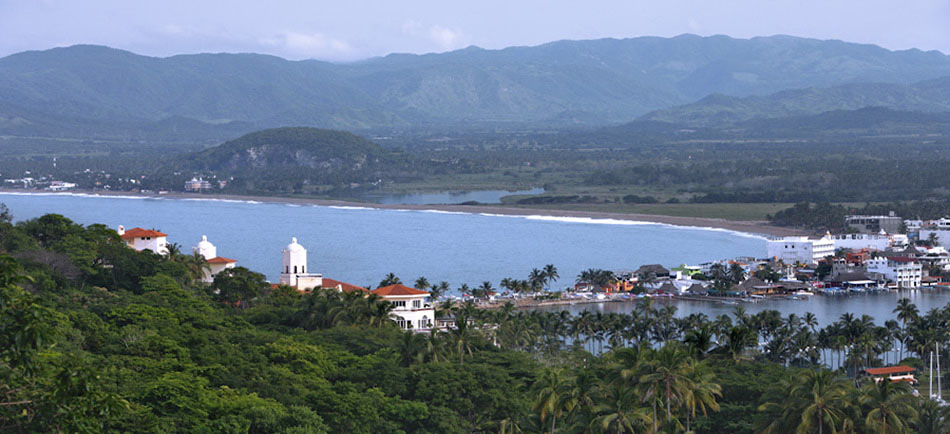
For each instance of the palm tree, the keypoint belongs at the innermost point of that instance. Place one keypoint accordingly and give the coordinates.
(462, 335)
(906, 311)
(736, 273)
(549, 402)
(618, 410)
(931, 418)
(390, 279)
(699, 341)
(536, 279)
(436, 291)
(702, 393)
(668, 368)
(738, 338)
(422, 283)
(810, 401)
(196, 266)
(550, 273)
(173, 252)
(891, 406)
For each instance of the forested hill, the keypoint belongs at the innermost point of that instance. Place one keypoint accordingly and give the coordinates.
(298, 159)
(283, 148)
(718, 109)
(584, 82)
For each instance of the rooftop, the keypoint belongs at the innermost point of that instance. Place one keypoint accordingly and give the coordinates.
(141, 233)
(397, 290)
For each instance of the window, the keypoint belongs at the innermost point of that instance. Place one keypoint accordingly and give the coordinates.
(399, 303)
(416, 304)
(287, 269)
(303, 268)
(295, 269)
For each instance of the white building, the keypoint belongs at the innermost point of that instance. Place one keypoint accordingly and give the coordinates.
(61, 186)
(900, 271)
(880, 241)
(216, 264)
(293, 270)
(940, 228)
(144, 239)
(800, 249)
(412, 308)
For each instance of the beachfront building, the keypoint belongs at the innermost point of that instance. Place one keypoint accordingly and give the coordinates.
(293, 268)
(216, 264)
(144, 239)
(878, 241)
(902, 272)
(412, 309)
(197, 184)
(800, 249)
(872, 224)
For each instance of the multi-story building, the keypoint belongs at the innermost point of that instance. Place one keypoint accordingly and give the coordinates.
(902, 272)
(412, 308)
(940, 230)
(144, 239)
(800, 249)
(872, 224)
(879, 241)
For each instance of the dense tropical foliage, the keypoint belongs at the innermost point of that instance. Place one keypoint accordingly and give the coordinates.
(96, 337)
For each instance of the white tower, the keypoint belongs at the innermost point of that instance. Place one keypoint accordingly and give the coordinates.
(206, 249)
(293, 263)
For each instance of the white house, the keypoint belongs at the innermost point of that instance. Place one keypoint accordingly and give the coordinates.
(412, 308)
(901, 271)
(216, 264)
(940, 228)
(144, 239)
(800, 249)
(293, 270)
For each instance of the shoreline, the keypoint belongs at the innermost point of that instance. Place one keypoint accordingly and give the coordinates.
(747, 227)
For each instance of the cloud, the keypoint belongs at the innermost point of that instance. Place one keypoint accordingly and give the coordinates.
(442, 37)
(310, 45)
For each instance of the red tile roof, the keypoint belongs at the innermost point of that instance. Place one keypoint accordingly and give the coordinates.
(397, 290)
(890, 370)
(141, 233)
(342, 286)
(220, 260)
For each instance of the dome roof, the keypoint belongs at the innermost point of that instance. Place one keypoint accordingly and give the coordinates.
(294, 246)
(204, 243)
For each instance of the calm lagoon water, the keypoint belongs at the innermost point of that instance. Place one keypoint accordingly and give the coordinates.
(361, 245)
(827, 309)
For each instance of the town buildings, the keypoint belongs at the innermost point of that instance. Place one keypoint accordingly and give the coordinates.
(902, 272)
(878, 241)
(800, 249)
(144, 239)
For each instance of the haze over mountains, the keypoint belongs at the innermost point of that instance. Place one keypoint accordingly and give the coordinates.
(92, 91)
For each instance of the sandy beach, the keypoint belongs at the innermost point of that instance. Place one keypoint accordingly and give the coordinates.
(752, 227)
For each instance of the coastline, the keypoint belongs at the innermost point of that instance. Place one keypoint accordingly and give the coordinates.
(748, 227)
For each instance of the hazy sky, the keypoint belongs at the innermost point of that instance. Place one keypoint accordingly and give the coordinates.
(354, 29)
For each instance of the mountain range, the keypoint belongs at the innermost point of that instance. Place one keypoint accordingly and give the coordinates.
(94, 91)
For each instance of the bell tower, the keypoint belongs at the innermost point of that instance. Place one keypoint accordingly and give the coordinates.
(293, 263)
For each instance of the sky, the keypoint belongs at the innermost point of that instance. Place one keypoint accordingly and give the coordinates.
(348, 30)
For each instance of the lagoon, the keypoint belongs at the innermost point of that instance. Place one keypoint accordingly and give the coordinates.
(361, 245)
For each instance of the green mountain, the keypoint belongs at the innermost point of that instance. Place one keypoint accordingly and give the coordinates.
(594, 82)
(718, 109)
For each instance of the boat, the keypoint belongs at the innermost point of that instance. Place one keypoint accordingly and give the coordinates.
(730, 302)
